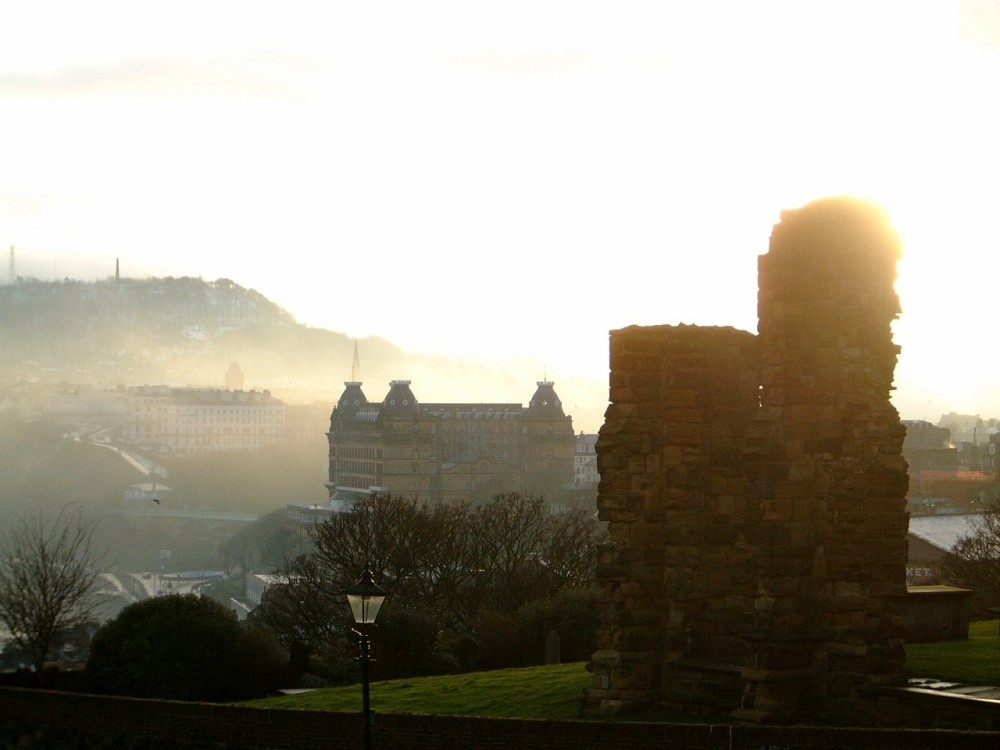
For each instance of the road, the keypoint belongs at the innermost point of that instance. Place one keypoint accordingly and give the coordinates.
(122, 589)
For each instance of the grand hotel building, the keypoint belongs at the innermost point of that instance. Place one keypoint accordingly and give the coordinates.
(446, 452)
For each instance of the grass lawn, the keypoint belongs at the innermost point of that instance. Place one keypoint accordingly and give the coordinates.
(552, 692)
(975, 661)
(555, 692)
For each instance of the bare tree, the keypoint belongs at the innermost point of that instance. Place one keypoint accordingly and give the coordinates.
(47, 574)
(395, 535)
(507, 537)
(570, 549)
(305, 611)
(975, 560)
(525, 552)
(452, 563)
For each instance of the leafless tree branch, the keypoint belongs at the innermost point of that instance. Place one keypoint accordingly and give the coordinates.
(47, 574)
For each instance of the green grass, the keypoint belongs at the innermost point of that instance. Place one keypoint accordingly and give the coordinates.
(975, 661)
(552, 692)
(555, 692)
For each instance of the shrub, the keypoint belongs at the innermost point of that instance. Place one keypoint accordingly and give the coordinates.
(498, 641)
(181, 647)
(572, 614)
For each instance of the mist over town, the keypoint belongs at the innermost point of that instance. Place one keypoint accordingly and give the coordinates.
(499, 375)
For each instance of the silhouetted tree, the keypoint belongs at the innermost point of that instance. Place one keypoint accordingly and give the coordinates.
(458, 566)
(571, 549)
(182, 647)
(47, 574)
(522, 552)
(263, 546)
(508, 535)
(307, 611)
(408, 644)
(395, 535)
(572, 614)
(974, 561)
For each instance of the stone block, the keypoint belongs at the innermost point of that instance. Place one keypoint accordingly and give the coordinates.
(635, 676)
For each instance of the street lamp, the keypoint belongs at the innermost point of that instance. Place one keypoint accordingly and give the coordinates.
(365, 598)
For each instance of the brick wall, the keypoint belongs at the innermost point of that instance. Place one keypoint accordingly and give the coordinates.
(50, 720)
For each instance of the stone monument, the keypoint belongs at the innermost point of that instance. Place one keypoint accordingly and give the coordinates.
(754, 489)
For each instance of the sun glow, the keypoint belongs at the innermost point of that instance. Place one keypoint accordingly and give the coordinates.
(521, 179)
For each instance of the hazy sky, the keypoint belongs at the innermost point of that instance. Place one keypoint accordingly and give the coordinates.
(501, 179)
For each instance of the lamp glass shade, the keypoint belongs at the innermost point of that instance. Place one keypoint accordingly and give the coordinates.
(365, 608)
(365, 598)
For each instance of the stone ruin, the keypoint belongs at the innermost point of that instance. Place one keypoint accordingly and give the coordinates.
(754, 490)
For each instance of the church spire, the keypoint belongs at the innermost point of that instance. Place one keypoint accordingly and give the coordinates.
(356, 365)
(353, 398)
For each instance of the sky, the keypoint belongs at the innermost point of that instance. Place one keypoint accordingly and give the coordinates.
(512, 179)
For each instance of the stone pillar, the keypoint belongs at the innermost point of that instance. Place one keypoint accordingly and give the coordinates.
(826, 462)
(675, 572)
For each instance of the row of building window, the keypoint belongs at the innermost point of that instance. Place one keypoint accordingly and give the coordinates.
(199, 411)
(357, 451)
(366, 467)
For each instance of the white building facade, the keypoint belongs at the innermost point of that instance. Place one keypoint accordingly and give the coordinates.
(585, 474)
(188, 421)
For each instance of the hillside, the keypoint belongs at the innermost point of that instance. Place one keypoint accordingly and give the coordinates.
(179, 331)
(186, 332)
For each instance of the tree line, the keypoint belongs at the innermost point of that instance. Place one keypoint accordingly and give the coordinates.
(459, 578)
(469, 587)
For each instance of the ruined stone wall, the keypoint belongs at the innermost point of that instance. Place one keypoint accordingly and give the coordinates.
(833, 481)
(754, 489)
(675, 572)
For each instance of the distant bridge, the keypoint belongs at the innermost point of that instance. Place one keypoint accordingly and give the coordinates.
(158, 511)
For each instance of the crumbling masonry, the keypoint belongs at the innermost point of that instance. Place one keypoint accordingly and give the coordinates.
(754, 490)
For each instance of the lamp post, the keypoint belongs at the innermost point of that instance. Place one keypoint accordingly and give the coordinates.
(365, 598)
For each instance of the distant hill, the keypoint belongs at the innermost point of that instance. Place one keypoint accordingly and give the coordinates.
(178, 331)
(187, 332)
